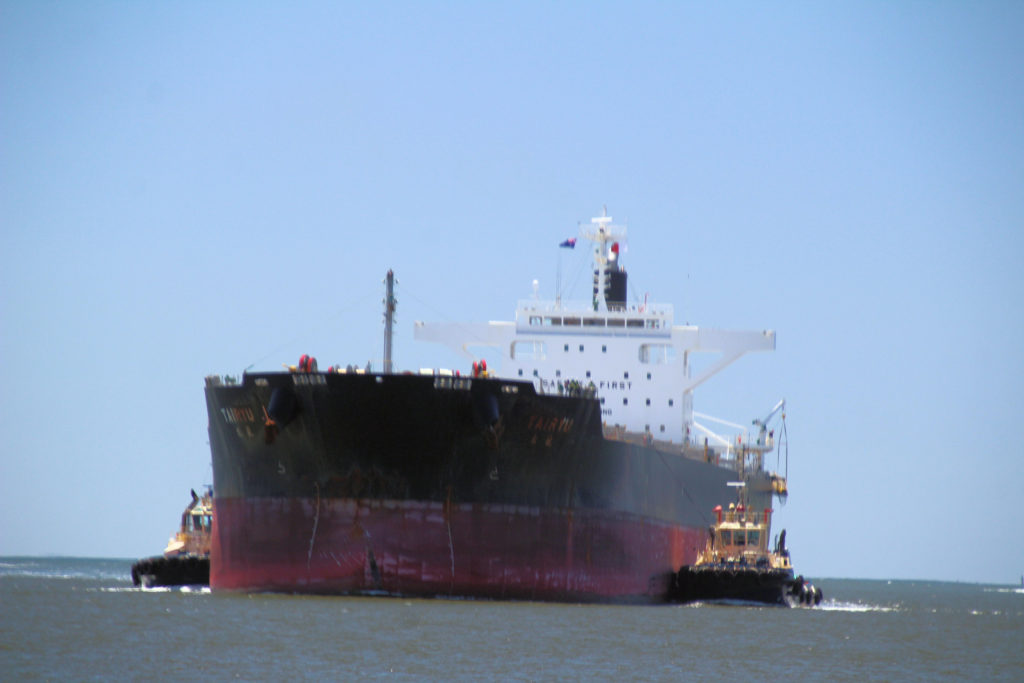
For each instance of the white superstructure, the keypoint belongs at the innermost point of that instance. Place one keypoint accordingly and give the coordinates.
(633, 355)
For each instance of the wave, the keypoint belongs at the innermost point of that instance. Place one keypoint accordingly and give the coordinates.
(198, 590)
(66, 569)
(842, 606)
(825, 606)
(65, 575)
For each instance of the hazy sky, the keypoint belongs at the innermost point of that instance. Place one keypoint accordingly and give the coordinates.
(195, 188)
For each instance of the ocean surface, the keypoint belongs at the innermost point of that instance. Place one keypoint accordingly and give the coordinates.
(81, 619)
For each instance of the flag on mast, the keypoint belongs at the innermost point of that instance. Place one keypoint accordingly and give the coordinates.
(571, 243)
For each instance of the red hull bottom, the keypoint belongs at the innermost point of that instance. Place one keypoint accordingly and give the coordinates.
(345, 546)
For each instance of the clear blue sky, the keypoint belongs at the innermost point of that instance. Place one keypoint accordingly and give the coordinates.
(188, 189)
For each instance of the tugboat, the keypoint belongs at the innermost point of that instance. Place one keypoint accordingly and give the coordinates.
(736, 565)
(186, 559)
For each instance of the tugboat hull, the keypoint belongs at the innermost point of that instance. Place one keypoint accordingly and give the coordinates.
(185, 570)
(742, 584)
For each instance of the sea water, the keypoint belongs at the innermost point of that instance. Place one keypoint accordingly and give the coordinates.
(81, 619)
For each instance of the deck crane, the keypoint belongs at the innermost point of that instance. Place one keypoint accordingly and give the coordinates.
(763, 423)
(764, 438)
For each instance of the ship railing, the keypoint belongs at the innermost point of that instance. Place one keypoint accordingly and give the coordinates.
(217, 380)
(692, 451)
(575, 316)
(739, 440)
(558, 307)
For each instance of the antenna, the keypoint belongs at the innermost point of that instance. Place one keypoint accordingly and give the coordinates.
(389, 318)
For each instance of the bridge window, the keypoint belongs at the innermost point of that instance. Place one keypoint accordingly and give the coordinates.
(657, 354)
(528, 350)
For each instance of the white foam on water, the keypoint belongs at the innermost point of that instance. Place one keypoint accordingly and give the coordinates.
(196, 590)
(855, 607)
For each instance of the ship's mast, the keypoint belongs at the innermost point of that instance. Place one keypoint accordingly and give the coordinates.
(389, 318)
(609, 277)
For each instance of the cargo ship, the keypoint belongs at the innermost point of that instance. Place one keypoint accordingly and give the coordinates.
(577, 472)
